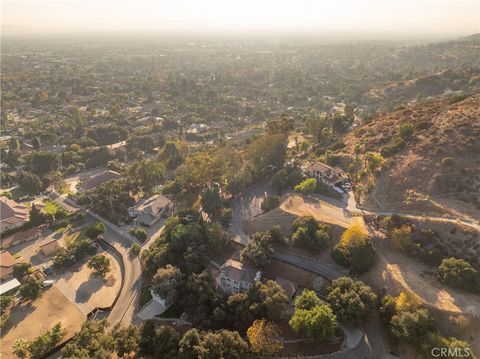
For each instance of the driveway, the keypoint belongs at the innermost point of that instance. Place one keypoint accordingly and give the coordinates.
(247, 206)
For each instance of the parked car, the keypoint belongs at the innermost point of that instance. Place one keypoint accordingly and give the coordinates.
(47, 269)
(47, 283)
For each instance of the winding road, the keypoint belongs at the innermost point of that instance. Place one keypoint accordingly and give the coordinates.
(123, 312)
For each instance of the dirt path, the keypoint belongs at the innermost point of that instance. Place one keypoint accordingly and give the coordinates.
(395, 271)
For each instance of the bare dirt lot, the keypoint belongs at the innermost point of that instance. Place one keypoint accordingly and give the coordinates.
(85, 288)
(29, 320)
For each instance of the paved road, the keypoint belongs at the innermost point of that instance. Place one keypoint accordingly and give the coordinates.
(124, 310)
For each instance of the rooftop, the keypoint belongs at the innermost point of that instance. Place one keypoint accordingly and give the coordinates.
(238, 271)
(6, 259)
(11, 212)
(9, 285)
(153, 205)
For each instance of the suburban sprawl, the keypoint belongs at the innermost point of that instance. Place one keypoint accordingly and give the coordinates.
(191, 198)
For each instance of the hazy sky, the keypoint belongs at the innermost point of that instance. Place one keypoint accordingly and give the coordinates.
(420, 17)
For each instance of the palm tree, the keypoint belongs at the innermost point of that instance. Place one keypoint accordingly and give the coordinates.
(20, 348)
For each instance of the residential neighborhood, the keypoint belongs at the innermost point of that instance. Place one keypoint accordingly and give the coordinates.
(272, 189)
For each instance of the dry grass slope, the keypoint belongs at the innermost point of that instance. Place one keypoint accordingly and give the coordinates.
(438, 169)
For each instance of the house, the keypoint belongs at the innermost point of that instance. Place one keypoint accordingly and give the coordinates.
(12, 214)
(332, 177)
(147, 211)
(20, 237)
(6, 264)
(8, 286)
(97, 179)
(288, 286)
(48, 246)
(236, 277)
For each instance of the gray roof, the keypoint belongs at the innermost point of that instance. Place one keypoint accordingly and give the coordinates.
(153, 205)
(238, 271)
(97, 179)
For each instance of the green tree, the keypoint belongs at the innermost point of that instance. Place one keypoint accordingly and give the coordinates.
(267, 151)
(166, 342)
(318, 322)
(93, 341)
(126, 341)
(31, 289)
(284, 124)
(211, 201)
(36, 217)
(309, 234)
(42, 163)
(307, 300)
(30, 182)
(352, 301)
(307, 186)
(286, 178)
(459, 273)
(21, 270)
(20, 348)
(267, 301)
(139, 233)
(95, 230)
(146, 174)
(168, 281)
(136, 249)
(100, 265)
(215, 345)
(259, 250)
(355, 249)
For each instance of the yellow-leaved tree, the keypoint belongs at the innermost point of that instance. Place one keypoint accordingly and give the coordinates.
(264, 337)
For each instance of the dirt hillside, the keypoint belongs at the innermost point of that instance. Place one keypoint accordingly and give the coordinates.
(437, 168)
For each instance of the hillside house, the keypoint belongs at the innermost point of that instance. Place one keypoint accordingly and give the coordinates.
(12, 214)
(236, 277)
(148, 211)
(332, 177)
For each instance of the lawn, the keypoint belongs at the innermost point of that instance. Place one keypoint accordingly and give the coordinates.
(50, 207)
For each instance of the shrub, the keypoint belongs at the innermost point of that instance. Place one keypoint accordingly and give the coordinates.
(307, 186)
(270, 202)
(459, 274)
(95, 230)
(309, 234)
(139, 233)
(406, 318)
(402, 238)
(405, 130)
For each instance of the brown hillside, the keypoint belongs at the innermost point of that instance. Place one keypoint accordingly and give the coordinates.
(438, 168)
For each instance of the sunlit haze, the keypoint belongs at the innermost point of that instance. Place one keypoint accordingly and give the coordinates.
(424, 18)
